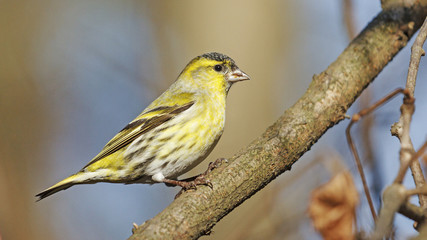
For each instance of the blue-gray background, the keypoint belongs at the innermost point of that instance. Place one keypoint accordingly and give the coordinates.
(73, 73)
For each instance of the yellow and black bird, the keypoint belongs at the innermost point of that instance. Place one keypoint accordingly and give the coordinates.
(172, 135)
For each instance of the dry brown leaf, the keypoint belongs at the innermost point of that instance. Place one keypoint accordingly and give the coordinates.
(333, 206)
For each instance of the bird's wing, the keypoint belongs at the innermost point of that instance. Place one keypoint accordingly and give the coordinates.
(146, 121)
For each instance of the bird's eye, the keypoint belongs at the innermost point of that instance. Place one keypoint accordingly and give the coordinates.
(218, 68)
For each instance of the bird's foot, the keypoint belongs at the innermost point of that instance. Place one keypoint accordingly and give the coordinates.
(191, 183)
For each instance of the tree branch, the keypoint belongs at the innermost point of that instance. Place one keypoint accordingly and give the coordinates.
(324, 104)
(407, 110)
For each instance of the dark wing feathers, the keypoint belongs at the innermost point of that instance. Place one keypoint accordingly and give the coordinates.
(144, 125)
(133, 124)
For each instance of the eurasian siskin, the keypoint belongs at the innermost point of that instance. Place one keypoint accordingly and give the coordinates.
(172, 135)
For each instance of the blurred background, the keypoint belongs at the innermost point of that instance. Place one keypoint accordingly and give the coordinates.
(74, 73)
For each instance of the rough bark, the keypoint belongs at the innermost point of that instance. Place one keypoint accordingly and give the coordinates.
(323, 105)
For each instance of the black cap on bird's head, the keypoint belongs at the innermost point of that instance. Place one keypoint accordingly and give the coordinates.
(236, 74)
(217, 57)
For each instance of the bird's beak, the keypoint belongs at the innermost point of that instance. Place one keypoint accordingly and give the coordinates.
(237, 76)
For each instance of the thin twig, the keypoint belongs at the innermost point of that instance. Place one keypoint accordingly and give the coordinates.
(394, 197)
(367, 147)
(361, 172)
(412, 211)
(416, 191)
(404, 165)
(417, 52)
(418, 214)
(356, 117)
(401, 128)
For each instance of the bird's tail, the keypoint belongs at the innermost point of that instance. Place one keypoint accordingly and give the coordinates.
(62, 185)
